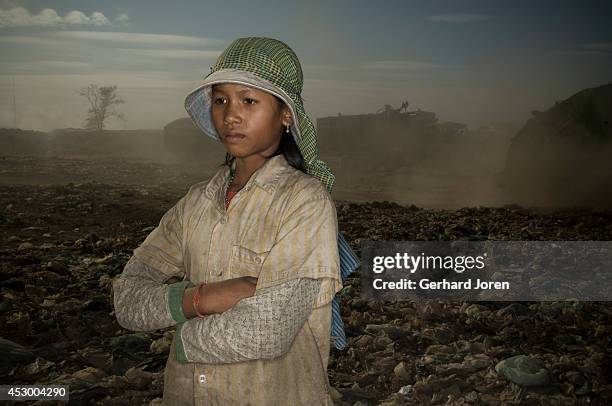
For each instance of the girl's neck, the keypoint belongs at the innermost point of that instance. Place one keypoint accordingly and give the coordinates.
(245, 168)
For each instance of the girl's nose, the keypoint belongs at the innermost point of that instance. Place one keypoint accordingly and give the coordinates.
(232, 114)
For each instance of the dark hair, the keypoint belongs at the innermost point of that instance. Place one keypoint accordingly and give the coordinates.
(287, 147)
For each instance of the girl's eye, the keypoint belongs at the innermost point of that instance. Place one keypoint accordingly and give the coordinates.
(250, 101)
(218, 100)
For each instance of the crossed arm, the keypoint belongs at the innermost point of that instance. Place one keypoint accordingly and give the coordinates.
(241, 324)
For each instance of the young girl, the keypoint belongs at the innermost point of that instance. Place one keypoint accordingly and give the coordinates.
(256, 247)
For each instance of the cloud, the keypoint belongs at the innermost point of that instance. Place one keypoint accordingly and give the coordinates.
(64, 65)
(76, 17)
(21, 17)
(458, 18)
(122, 19)
(99, 19)
(139, 38)
(172, 53)
(57, 67)
(31, 40)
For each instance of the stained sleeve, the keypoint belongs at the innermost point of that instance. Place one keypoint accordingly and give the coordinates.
(260, 327)
(143, 302)
(306, 246)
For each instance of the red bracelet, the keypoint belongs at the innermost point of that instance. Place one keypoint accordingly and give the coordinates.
(196, 300)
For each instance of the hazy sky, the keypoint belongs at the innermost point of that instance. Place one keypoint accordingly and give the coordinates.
(476, 62)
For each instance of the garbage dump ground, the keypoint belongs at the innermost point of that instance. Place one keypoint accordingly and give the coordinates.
(68, 232)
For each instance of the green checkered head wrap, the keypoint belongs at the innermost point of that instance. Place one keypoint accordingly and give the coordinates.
(270, 65)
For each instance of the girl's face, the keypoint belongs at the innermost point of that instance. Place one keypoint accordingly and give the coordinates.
(249, 121)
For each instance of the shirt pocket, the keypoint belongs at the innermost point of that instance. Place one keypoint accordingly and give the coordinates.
(246, 262)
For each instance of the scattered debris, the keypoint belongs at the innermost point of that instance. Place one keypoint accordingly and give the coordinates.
(58, 326)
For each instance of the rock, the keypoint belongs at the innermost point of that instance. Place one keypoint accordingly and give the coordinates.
(462, 346)
(575, 377)
(394, 400)
(514, 309)
(439, 349)
(524, 370)
(355, 394)
(392, 331)
(105, 282)
(138, 378)
(50, 277)
(96, 358)
(33, 371)
(131, 342)
(90, 375)
(12, 355)
(477, 311)
(363, 341)
(429, 310)
(115, 382)
(384, 365)
(471, 364)
(584, 389)
(25, 246)
(161, 345)
(401, 372)
(368, 379)
(405, 390)
(104, 260)
(444, 393)
(381, 342)
(56, 266)
(335, 394)
(425, 390)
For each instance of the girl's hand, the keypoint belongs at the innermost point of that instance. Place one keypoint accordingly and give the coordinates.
(172, 279)
(221, 296)
(218, 297)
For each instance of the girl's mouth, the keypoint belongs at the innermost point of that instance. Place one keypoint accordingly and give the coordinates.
(233, 138)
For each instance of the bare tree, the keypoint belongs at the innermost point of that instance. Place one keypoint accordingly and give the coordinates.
(102, 101)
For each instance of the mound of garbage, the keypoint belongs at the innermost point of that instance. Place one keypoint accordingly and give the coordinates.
(561, 157)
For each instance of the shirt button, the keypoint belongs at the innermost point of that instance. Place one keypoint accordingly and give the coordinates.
(257, 260)
(223, 220)
(202, 379)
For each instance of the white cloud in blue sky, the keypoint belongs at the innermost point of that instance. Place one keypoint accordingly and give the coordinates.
(49, 18)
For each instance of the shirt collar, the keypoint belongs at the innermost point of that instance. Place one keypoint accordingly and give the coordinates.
(266, 177)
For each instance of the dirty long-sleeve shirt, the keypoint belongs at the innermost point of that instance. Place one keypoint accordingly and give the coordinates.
(281, 227)
(259, 327)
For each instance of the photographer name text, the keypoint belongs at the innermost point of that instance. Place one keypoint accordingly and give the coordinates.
(426, 284)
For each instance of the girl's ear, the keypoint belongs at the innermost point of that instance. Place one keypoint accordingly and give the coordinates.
(287, 117)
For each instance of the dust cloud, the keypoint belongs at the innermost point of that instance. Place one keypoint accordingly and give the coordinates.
(558, 158)
(414, 159)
